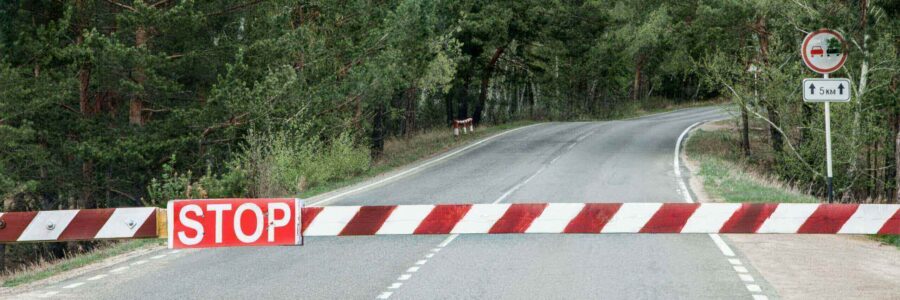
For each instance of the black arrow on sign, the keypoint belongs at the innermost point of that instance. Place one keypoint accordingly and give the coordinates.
(812, 89)
(841, 88)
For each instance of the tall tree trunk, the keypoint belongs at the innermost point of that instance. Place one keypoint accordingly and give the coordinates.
(463, 98)
(87, 110)
(772, 109)
(485, 83)
(448, 105)
(136, 105)
(897, 156)
(745, 131)
(807, 121)
(861, 86)
(410, 99)
(378, 131)
(895, 81)
(638, 66)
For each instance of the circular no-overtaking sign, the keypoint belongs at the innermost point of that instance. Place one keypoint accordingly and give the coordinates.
(823, 51)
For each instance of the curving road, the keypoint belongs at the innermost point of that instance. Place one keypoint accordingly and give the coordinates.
(615, 161)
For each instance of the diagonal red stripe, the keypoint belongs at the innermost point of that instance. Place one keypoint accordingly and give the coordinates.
(592, 217)
(828, 218)
(15, 223)
(892, 226)
(148, 229)
(86, 224)
(670, 218)
(518, 217)
(442, 218)
(308, 215)
(748, 218)
(368, 220)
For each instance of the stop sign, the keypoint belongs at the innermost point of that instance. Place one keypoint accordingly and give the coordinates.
(204, 223)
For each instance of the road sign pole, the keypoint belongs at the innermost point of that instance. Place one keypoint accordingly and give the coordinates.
(828, 150)
(824, 52)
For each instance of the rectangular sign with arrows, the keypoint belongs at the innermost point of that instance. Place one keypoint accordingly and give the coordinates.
(826, 90)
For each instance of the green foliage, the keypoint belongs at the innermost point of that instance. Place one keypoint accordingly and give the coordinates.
(286, 164)
(276, 97)
(864, 131)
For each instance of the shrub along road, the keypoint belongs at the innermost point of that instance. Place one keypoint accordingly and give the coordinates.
(615, 161)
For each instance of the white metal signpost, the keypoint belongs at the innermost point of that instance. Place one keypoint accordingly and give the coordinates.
(823, 52)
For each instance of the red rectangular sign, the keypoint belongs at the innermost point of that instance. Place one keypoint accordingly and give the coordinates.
(205, 223)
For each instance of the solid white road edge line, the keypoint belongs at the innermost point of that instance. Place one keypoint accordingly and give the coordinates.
(417, 168)
(720, 243)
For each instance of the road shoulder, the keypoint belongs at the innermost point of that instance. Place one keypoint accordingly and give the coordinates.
(809, 266)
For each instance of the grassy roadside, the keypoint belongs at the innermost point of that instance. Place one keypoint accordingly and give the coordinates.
(46, 269)
(398, 152)
(729, 177)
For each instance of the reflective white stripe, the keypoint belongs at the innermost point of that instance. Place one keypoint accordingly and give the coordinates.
(709, 218)
(405, 219)
(631, 217)
(480, 218)
(117, 225)
(555, 218)
(331, 220)
(869, 218)
(787, 218)
(38, 229)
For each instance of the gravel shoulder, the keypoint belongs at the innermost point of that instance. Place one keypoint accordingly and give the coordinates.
(815, 266)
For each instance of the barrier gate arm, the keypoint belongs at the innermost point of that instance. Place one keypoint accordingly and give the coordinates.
(559, 218)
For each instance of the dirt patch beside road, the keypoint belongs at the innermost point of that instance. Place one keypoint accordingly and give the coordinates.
(806, 266)
(823, 266)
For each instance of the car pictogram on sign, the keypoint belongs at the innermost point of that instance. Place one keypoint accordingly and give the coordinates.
(816, 50)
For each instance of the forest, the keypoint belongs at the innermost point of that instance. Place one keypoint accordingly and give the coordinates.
(111, 103)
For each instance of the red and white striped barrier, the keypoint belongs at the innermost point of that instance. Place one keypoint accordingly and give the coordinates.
(467, 125)
(74, 225)
(127, 223)
(602, 218)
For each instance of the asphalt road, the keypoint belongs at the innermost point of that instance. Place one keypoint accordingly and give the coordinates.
(616, 161)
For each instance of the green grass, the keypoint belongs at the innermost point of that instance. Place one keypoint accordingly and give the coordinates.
(729, 177)
(399, 152)
(39, 272)
(726, 181)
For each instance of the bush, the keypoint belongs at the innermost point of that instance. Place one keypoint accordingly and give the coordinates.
(174, 185)
(283, 163)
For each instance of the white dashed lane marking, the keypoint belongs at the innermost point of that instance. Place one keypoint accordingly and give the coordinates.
(101, 276)
(98, 277)
(138, 263)
(74, 285)
(408, 274)
(48, 294)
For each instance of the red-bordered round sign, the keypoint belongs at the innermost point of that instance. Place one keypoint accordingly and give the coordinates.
(823, 51)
